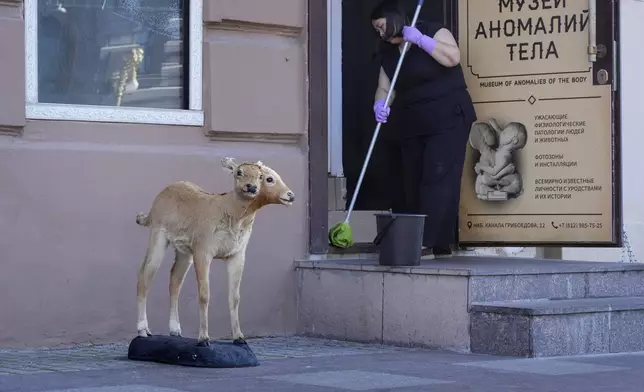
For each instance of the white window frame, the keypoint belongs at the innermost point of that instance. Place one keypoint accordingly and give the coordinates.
(194, 115)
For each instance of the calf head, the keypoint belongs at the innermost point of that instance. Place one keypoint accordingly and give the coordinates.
(259, 183)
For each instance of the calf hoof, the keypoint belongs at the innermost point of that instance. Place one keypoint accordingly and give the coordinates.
(204, 342)
(240, 342)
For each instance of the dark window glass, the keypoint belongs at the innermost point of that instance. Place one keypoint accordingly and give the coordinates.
(113, 53)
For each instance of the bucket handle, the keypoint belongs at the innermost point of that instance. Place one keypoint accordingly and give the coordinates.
(378, 239)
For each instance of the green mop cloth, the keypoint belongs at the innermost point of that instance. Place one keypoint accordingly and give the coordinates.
(341, 235)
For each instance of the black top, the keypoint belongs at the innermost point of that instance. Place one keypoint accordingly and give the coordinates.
(429, 96)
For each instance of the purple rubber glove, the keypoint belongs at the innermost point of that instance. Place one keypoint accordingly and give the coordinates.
(381, 111)
(414, 36)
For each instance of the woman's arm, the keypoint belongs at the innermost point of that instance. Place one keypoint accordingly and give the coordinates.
(446, 50)
(442, 47)
(383, 87)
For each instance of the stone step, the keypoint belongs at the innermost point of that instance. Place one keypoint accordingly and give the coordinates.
(513, 279)
(457, 304)
(564, 327)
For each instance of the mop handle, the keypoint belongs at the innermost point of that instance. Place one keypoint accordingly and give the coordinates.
(377, 130)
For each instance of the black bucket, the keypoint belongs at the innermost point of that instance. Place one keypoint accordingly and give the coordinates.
(400, 237)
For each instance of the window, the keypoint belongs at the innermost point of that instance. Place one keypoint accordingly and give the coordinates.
(136, 61)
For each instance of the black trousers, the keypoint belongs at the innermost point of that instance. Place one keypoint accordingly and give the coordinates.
(432, 167)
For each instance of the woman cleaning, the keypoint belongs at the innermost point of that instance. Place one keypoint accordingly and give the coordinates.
(433, 113)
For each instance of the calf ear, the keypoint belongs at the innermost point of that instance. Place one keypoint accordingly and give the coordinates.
(229, 164)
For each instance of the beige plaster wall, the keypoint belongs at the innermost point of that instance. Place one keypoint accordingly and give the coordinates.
(69, 191)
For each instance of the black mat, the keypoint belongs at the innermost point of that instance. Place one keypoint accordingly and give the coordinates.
(185, 352)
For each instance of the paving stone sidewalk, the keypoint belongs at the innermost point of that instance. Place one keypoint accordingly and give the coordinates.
(114, 356)
(314, 365)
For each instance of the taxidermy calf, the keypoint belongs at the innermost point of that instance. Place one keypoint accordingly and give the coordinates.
(202, 226)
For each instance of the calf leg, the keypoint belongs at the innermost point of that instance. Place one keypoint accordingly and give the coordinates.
(182, 262)
(157, 244)
(202, 269)
(235, 268)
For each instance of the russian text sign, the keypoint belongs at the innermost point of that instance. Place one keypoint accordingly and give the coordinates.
(539, 163)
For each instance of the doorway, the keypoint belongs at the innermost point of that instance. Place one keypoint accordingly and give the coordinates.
(354, 64)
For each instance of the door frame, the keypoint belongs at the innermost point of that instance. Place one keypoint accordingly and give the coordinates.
(334, 69)
(318, 123)
(318, 120)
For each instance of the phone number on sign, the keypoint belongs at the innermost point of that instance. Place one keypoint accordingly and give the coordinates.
(579, 225)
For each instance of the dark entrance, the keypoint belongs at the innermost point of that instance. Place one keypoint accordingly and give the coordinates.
(360, 67)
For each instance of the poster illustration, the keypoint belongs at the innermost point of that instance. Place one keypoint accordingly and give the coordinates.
(539, 158)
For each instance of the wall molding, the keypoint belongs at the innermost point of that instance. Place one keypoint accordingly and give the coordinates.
(251, 27)
(286, 138)
(7, 130)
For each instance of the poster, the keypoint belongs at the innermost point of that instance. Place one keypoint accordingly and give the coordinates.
(539, 159)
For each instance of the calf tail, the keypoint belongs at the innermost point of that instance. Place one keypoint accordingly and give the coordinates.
(142, 219)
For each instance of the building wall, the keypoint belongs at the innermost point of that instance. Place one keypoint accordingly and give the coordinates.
(632, 85)
(69, 191)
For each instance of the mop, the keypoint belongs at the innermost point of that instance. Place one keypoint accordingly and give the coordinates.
(341, 235)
